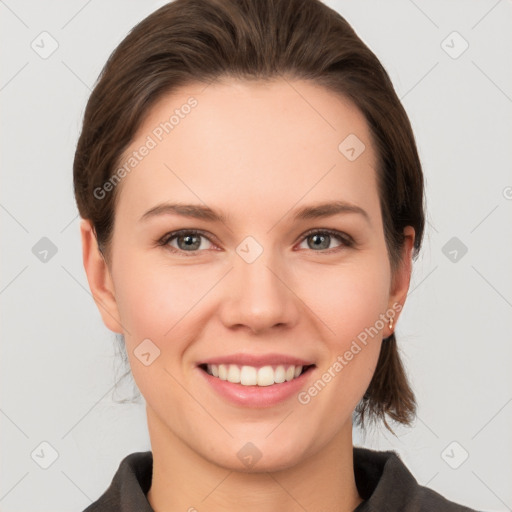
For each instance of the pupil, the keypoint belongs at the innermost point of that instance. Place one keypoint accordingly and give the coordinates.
(321, 239)
(189, 241)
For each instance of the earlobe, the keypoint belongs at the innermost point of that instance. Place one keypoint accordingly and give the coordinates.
(402, 276)
(99, 278)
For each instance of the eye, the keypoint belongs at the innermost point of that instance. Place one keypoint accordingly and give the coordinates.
(321, 239)
(187, 240)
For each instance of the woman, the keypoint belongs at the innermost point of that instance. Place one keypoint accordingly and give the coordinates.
(252, 201)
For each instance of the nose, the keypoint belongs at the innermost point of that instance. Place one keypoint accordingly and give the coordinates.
(258, 296)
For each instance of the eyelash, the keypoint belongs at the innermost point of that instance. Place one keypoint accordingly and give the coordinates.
(346, 240)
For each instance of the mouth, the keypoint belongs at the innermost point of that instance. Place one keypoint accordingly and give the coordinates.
(261, 376)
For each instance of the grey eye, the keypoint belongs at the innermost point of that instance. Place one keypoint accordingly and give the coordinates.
(321, 240)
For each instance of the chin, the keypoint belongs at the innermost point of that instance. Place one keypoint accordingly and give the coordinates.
(261, 463)
(258, 455)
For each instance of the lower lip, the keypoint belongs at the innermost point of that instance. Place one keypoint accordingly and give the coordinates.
(257, 396)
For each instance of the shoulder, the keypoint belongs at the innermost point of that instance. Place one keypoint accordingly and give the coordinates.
(128, 489)
(385, 483)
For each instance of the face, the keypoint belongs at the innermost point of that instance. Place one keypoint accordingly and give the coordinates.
(280, 262)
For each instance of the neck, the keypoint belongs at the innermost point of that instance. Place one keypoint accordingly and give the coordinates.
(183, 480)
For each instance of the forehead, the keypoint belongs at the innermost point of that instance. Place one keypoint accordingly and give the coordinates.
(250, 144)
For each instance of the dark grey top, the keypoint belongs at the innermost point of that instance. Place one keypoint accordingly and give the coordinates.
(382, 480)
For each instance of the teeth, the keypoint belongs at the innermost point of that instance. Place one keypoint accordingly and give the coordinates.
(233, 373)
(223, 371)
(280, 374)
(248, 375)
(251, 376)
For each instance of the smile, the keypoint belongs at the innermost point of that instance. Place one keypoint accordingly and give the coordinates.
(253, 376)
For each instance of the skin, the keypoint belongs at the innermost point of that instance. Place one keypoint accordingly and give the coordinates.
(257, 152)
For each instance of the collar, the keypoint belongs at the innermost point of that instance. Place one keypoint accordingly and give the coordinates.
(382, 480)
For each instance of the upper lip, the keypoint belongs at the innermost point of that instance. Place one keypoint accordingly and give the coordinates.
(257, 360)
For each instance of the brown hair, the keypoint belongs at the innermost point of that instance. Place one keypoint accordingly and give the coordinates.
(191, 41)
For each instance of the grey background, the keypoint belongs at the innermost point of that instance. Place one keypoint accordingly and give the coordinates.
(58, 361)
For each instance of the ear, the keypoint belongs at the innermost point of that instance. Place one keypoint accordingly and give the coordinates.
(402, 276)
(99, 278)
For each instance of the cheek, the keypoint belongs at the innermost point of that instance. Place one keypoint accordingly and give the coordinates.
(156, 304)
(165, 304)
(153, 299)
(351, 305)
(349, 299)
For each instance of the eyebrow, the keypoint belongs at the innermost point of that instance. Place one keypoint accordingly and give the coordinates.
(197, 211)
